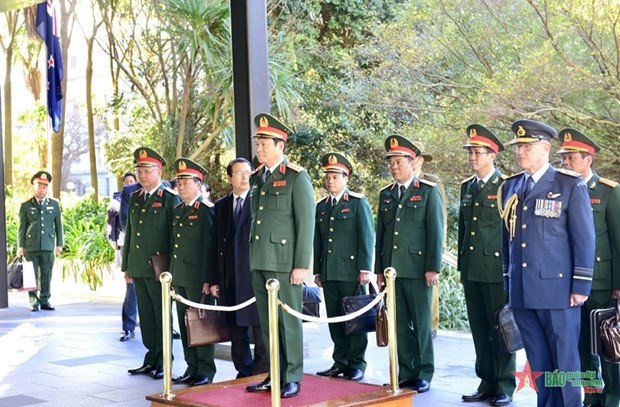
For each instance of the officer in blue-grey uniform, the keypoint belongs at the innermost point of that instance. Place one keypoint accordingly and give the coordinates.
(548, 258)
(578, 152)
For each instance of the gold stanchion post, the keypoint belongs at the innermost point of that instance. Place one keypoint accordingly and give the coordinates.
(390, 274)
(273, 286)
(166, 279)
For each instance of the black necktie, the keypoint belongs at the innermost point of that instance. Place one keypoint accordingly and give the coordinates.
(267, 173)
(529, 184)
(402, 192)
(238, 208)
(146, 197)
(332, 202)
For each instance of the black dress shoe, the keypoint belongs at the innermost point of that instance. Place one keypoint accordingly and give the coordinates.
(290, 390)
(405, 383)
(332, 372)
(144, 369)
(158, 373)
(265, 385)
(501, 400)
(127, 336)
(47, 307)
(421, 386)
(175, 335)
(185, 379)
(476, 396)
(34, 308)
(200, 380)
(354, 374)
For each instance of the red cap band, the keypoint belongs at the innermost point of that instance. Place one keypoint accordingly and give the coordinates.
(578, 146)
(484, 142)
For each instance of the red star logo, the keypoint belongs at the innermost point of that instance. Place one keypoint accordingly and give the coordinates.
(527, 377)
(51, 63)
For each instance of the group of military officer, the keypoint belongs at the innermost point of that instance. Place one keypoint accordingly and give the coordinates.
(508, 232)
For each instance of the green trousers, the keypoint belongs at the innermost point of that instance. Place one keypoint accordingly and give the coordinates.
(43, 262)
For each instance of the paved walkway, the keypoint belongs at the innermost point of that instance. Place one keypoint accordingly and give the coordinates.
(72, 356)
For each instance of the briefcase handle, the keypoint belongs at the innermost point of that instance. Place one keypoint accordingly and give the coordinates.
(358, 288)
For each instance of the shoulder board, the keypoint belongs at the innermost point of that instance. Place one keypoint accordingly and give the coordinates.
(258, 169)
(568, 172)
(608, 182)
(431, 177)
(179, 205)
(53, 199)
(356, 195)
(466, 180)
(295, 167)
(427, 182)
(388, 186)
(322, 199)
(172, 191)
(502, 176)
(138, 191)
(518, 174)
(208, 204)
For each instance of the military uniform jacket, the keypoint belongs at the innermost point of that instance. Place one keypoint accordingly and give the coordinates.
(192, 243)
(605, 201)
(148, 229)
(410, 231)
(283, 210)
(343, 238)
(548, 240)
(480, 231)
(40, 226)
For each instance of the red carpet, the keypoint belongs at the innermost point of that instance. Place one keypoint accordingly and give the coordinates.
(314, 389)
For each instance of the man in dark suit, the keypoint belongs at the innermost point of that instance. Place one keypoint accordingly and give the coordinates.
(190, 261)
(578, 152)
(548, 257)
(480, 264)
(147, 233)
(40, 237)
(410, 227)
(343, 250)
(281, 236)
(230, 280)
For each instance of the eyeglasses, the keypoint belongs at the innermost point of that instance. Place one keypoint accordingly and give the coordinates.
(242, 173)
(477, 153)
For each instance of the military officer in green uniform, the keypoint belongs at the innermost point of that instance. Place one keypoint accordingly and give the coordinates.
(281, 237)
(149, 224)
(40, 237)
(420, 173)
(191, 257)
(578, 153)
(343, 250)
(410, 227)
(480, 264)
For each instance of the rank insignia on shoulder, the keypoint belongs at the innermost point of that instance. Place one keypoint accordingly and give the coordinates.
(356, 195)
(170, 190)
(552, 195)
(295, 167)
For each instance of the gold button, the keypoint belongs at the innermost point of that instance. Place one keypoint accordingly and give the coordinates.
(524, 226)
(561, 275)
(524, 264)
(471, 247)
(524, 208)
(178, 235)
(400, 206)
(331, 218)
(331, 229)
(283, 241)
(143, 210)
(476, 204)
(175, 256)
(176, 245)
(352, 257)
(496, 254)
(138, 234)
(475, 218)
(277, 193)
(329, 240)
(260, 208)
(395, 247)
(257, 237)
(180, 225)
(262, 192)
(523, 244)
(140, 222)
(258, 222)
(137, 246)
(397, 219)
(473, 233)
(396, 233)
(492, 205)
(598, 259)
(420, 252)
(329, 251)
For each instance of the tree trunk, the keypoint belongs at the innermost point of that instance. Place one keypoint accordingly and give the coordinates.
(8, 120)
(187, 85)
(92, 152)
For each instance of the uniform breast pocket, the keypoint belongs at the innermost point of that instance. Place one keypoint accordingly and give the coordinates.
(344, 221)
(276, 198)
(387, 212)
(33, 216)
(415, 210)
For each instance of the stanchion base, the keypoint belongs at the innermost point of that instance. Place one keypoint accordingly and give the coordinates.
(315, 391)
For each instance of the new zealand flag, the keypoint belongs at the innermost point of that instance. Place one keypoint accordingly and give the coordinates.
(46, 27)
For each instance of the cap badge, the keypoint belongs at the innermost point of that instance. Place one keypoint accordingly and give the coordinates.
(44, 176)
(143, 154)
(263, 122)
(393, 142)
(568, 137)
(332, 159)
(182, 165)
(473, 133)
(520, 131)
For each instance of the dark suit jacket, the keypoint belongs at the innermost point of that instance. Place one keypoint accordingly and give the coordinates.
(551, 254)
(232, 269)
(125, 194)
